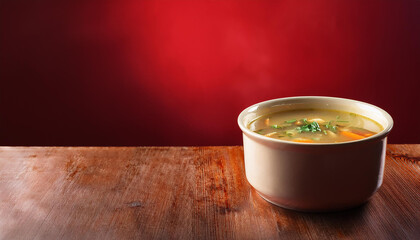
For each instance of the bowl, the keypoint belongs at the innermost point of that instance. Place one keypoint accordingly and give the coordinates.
(314, 177)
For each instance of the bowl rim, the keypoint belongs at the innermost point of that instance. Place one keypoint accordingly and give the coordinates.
(382, 134)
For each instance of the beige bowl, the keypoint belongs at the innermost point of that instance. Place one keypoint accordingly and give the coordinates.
(314, 176)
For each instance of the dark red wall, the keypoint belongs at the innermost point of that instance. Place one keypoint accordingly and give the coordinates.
(179, 72)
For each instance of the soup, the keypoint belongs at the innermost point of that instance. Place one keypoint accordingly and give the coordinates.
(315, 126)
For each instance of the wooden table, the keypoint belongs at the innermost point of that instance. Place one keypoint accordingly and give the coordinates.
(181, 193)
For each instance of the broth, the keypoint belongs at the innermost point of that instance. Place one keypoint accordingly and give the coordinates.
(315, 126)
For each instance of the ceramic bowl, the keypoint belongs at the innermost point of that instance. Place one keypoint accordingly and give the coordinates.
(314, 176)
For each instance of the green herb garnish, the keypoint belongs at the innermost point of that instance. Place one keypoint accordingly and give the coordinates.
(280, 126)
(290, 134)
(291, 121)
(331, 127)
(309, 127)
(328, 124)
(259, 131)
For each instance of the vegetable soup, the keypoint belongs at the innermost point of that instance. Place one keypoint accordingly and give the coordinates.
(315, 126)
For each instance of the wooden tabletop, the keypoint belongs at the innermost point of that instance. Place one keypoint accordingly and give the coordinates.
(181, 193)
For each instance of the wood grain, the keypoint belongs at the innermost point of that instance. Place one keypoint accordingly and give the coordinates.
(181, 193)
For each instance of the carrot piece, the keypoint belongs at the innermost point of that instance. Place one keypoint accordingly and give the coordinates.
(303, 140)
(361, 131)
(352, 135)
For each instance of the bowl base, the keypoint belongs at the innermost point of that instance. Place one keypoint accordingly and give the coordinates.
(313, 210)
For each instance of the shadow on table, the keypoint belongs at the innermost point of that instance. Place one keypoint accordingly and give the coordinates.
(323, 225)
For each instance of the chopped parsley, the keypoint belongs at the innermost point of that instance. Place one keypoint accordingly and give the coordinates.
(290, 121)
(288, 133)
(309, 127)
(259, 131)
(280, 126)
(331, 127)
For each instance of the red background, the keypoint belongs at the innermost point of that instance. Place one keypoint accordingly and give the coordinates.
(179, 72)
